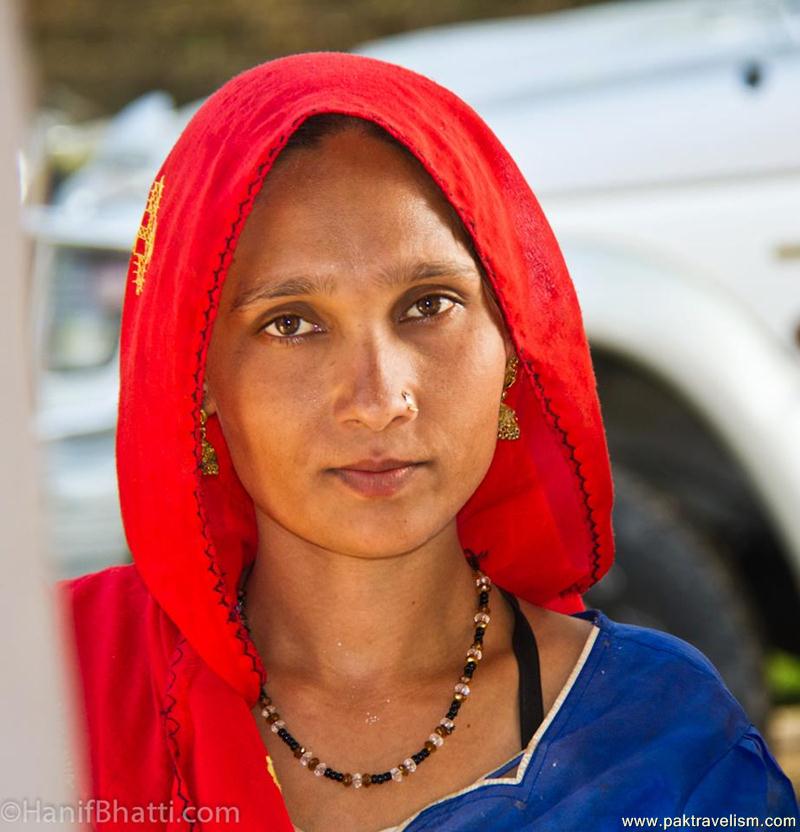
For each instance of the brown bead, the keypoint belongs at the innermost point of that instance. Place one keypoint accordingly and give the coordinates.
(299, 751)
(313, 763)
(366, 780)
(459, 697)
(273, 717)
(441, 730)
(430, 746)
(403, 769)
(347, 779)
(466, 679)
(484, 608)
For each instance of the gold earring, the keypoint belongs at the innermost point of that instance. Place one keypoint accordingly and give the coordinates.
(508, 427)
(209, 464)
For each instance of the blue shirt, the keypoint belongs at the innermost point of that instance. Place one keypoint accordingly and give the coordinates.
(643, 728)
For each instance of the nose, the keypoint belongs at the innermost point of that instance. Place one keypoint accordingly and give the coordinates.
(376, 387)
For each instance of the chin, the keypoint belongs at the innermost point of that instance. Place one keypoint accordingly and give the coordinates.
(377, 540)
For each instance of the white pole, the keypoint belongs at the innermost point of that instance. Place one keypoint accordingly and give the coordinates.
(35, 721)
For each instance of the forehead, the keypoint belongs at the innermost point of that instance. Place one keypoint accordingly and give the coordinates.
(350, 165)
(352, 203)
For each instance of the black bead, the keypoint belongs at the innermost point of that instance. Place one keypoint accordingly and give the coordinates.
(417, 758)
(329, 773)
(469, 669)
(483, 597)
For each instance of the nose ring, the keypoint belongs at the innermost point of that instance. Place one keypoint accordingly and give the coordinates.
(410, 402)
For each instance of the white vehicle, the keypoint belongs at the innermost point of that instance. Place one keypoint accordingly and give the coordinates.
(663, 141)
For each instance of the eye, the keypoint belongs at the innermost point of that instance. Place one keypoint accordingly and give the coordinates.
(430, 306)
(287, 327)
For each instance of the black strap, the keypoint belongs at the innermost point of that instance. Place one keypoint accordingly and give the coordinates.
(523, 642)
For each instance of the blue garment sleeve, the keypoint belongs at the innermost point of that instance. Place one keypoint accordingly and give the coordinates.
(746, 781)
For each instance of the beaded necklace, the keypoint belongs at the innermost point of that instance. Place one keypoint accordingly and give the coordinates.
(446, 725)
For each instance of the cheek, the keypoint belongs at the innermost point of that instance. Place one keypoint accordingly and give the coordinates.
(465, 402)
(268, 416)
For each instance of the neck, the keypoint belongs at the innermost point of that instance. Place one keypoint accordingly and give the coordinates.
(340, 622)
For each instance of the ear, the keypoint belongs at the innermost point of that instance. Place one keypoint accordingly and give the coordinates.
(209, 402)
(497, 315)
(509, 345)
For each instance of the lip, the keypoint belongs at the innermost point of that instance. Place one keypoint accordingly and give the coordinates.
(373, 464)
(377, 483)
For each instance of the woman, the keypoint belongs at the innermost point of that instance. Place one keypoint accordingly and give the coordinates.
(364, 479)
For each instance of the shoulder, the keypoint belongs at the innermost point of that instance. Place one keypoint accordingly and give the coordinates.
(652, 701)
(660, 651)
(105, 610)
(119, 643)
(645, 648)
(114, 583)
(115, 631)
(653, 677)
(666, 689)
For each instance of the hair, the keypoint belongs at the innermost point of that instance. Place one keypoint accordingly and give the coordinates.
(310, 135)
(317, 127)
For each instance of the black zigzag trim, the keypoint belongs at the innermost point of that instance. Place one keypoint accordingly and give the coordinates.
(172, 726)
(212, 294)
(579, 586)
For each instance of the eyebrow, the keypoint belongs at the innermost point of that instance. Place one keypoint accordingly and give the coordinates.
(310, 285)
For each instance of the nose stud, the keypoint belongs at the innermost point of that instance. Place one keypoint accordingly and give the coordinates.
(410, 402)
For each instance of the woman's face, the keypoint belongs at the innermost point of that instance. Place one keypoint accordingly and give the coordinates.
(350, 284)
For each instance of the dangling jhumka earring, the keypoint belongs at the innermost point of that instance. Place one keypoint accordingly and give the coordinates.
(508, 427)
(209, 464)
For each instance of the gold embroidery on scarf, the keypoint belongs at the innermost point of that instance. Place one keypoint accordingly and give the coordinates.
(271, 770)
(146, 236)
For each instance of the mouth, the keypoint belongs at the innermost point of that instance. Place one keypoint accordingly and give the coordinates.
(372, 478)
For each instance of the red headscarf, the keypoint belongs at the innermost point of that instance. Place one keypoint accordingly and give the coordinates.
(169, 674)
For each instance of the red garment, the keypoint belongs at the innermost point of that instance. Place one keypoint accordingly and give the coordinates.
(169, 674)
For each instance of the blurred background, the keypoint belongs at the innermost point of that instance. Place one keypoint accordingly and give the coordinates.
(662, 138)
